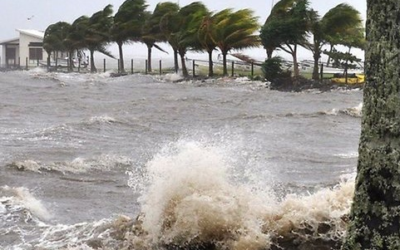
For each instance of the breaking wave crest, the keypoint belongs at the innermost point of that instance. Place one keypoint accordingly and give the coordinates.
(190, 199)
(353, 111)
(103, 162)
(20, 200)
(102, 119)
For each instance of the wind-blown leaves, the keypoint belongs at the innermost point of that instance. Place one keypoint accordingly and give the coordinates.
(55, 39)
(181, 29)
(340, 25)
(127, 25)
(151, 32)
(287, 27)
(234, 30)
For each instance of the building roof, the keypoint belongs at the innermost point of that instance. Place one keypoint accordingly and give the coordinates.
(34, 33)
(10, 41)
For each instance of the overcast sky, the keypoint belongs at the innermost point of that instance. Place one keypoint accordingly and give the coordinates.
(38, 14)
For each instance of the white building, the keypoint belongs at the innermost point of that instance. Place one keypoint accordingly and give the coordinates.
(24, 51)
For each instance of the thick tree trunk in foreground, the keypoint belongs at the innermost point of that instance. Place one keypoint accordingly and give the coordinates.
(375, 215)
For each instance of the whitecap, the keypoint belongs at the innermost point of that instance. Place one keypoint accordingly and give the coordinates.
(102, 119)
(21, 196)
(348, 155)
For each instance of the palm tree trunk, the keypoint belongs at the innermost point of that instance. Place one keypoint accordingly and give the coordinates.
(184, 69)
(329, 57)
(121, 58)
(92, 65)
(296, 72)
(346, 67)
(70, 62)
(149, 47)
(48, 60)
(176, 65)
(374, 217)
(269, 52)
(317, 56)
(210, 64)
(225, 68)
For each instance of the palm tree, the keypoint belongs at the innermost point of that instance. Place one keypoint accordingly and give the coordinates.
(340, 23)
(92, 33)
(169, 25)
(76, 38)
(234, 30)
(151, 33)
(191, 17)
(54, 39)
(127, 26)
(286, 28)
(99, 25)
(205, 36)
(181, 29)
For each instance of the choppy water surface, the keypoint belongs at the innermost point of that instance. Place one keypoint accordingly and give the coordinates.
(225, 161)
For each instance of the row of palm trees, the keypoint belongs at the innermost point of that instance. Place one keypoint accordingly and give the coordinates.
(292, 23)
(194, 27)
(191, 27)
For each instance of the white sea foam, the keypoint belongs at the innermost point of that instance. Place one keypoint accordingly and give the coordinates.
(192, 200)
(102, 119)
(353, 111)
(172, 77)
(104, 162)
(74, 237)
(189, 198)
(348, 155)
(28, 165)
(20, 196)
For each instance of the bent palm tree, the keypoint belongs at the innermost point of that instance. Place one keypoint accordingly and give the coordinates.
(181, 29)
(287, 28)
(99, 25)
(127, 25)
(234, 30)
(55, 39)
(92, 33)
(339, 22)
(151, 30)
(205, 35)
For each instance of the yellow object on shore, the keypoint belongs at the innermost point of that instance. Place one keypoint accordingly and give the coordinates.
(351, 78)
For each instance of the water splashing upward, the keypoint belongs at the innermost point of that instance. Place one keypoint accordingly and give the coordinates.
(191, 200)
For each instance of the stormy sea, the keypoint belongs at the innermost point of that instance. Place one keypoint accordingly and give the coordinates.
(89, 161)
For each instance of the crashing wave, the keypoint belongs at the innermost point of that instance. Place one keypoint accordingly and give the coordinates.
(353, 111)
(102, 119)
(103, 162)
(19, 203)
(189, 200)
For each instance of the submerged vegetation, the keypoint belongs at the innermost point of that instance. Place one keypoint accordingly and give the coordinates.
(291, 24)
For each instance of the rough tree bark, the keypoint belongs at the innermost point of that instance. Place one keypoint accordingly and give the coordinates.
(375, 214)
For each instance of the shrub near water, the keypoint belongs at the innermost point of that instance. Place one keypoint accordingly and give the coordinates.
(272, 69)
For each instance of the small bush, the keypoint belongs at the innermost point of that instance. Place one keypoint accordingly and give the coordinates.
(272, 69)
